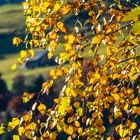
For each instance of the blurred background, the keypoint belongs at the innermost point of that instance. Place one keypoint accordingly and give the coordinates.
(14, 83)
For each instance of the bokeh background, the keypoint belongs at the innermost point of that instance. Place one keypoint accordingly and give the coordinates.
(14, 83)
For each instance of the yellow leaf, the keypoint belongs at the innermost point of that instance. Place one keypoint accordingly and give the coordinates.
(91, 13)
(52, 136)
(56, 7)
(17, 41)
(56, 100)
(110, 138)
(14, 67)
(116, 97)
(32, 126)
(71, 39)
(80, 111)
(135, 101)
(133, 125)
(53, 35)
(77, 124)
(71, 53)
(31, 53)
(52, 46)
(136, 110)
(123, 132)
(67, 47)
(47, 4)
(96, 40)
(59, 127)
(27, 97)
(76, 104)
(103, 80)
(102, 129)
(97, 75)
(65, 102)
(50, 55)
(21, 131)
(60, 25)
(23, 54)
(69, 130)
(11, 125)
(27, 117)
(42, 109)
(126, 107)
(65, 9)
(16, 137)
(19, 61)
(64, 56)
(80, 130)
(2, 129)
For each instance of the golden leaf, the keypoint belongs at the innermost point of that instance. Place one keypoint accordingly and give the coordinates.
(64, 56)
(53, 35)
(56, 7)
(133, 125)
(110, 138)
(21, 131)
(42, 109)
(23, 54)
(96, 40)
(123, 132)
(32, 126)
(11, 125)
(76, 104)
(14, 67)
(27, 117)
(59, 127)
(77, 124)
(80, 130)
(135, 101)
(31, 53)
(126, 106)
(16, 137)
(2, 129)
(50, 55)
(116, 96)
(60, 24)
(69, 130)
(26, 97)
(71, 39)
(17, 41)
(52, 45)
(102, 129)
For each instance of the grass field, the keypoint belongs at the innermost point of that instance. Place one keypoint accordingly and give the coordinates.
(11, 18)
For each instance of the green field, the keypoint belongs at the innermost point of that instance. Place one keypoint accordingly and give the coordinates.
(11, 18)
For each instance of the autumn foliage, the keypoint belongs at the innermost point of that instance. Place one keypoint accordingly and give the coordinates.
(100, 98)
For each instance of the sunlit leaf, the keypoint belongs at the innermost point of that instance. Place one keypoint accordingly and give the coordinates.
(2, 129)
(135, 101)
(21, 131)
(133, 125)
(14, 67)
(42, 109)
(23, 54)
(16, 137)
(26, 97)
